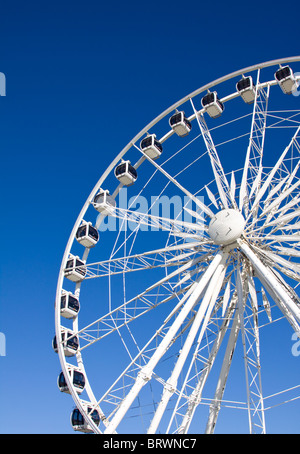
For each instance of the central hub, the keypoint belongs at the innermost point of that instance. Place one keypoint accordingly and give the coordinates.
(226, 226)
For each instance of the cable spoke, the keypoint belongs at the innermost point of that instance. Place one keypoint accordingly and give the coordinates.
(135, 307)
(197, 201)
(156, 222)
(267, 276)
(218, 397)
(203, 314)
(148, 260)
(272, 173)
(146, 372)
(112, 395)
(221, 180)
(253, 161)
(194, 399)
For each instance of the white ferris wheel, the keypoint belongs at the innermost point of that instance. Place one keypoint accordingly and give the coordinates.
(184, 264)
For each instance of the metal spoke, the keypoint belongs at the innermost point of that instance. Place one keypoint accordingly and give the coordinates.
(158, 258)
(135, 307)
(198, 202)
(203, 315)
(253, 161)
(218, 397)
(221, 180)
(146, 372)
(192, 400)
(272, 173)
(266, 275)
(155, 222)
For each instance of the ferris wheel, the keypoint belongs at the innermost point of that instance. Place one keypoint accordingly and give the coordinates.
(184, 265)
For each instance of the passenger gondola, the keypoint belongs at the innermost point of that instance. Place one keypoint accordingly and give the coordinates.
(246, 89)
(87, 235)
(104, 202)
(286, 79)
(212, 105)
(126, 173)
(77, 379)
(180, 124)
(70, 343)
(151, 146)
(69, 305)
(78, 422)
(75, 269)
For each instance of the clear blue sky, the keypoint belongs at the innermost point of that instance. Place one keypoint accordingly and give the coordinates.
(83, 78)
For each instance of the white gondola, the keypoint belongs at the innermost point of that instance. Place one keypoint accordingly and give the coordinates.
(126, 173)
(70, 342)
(69, 305)
(246, 89)
(212, 105)
(151, 147)
(77, 379)
(104, 202)
(87, 235)
(286, 80)
(180, 124)
(75, 269)
(78, 422)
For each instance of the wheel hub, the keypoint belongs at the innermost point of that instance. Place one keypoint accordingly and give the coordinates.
(226, 226)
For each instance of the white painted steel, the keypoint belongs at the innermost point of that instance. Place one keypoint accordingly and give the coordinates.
(207, 304)
(213, 280)
(268, 276)
(146, 372)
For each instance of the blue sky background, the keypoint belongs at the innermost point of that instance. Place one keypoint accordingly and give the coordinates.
(83, 78)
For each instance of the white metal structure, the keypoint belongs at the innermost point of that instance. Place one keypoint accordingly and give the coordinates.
(196, 278)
